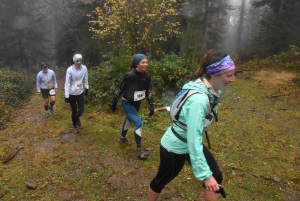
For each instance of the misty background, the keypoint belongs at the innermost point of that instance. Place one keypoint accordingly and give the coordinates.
(52, 30)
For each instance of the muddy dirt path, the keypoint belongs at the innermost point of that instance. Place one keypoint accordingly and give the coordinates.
(85, 166)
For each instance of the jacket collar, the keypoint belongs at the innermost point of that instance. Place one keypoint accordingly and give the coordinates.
(210, 88)
(77, 68)
(137, 72)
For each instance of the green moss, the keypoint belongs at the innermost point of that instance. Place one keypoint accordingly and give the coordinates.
(255, 141)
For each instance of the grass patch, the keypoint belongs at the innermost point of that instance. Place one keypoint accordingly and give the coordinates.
(256, 143)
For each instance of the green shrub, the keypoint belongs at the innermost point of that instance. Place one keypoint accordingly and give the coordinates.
(167, 75)
(289, 60)
(15, 88)
(104, 79)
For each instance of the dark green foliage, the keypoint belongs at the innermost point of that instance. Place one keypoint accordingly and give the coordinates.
(15, 86)
(75, 37)
(167, 74)
(289, 61)
(274, 4)
(21, 33)
(275, 38)
(278, 28)
(104, 79)
(15, 89)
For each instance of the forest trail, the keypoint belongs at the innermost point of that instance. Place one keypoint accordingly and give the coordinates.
(92, 165)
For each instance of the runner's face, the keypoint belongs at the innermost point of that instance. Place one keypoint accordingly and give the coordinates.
(142, 66)
(78, 62)
(45, 69)
(222, 81)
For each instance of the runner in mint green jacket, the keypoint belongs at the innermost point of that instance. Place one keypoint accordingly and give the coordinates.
(179, 145)
(193, 113)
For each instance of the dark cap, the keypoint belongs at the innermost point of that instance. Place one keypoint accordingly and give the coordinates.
(44, 65)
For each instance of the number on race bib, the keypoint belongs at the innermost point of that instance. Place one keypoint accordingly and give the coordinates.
(139, 95)
(78, 85)
(52, 92)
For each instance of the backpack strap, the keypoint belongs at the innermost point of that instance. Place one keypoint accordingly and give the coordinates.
(178, 136)
(207, 138)
(176, 111)
(185, 140)
(183, 126)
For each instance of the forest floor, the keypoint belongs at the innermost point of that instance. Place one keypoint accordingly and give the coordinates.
(256, 143)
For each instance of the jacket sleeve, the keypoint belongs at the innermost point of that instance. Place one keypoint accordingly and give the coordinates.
(196, 112)
(122, 87)
(149, 93)
(38, 87)
(54, 80)
(68, 83)
(86, 80)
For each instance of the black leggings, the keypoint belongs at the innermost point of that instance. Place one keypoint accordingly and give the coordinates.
(74, 102)
(171, 164)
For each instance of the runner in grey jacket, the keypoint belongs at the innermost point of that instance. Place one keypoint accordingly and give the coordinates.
(76, 82)
(46, 85)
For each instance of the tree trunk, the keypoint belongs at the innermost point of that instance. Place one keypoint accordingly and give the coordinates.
(240, 26)
(203, 43)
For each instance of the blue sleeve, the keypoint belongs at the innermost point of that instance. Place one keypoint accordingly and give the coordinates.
(38, 87)
(195, 108)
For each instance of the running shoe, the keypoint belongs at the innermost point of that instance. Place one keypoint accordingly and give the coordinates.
(52, 110)
(76, 130)
(46, 114)
(142, 153)
(124, 140)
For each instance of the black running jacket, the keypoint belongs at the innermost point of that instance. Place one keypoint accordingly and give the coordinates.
(134, 81)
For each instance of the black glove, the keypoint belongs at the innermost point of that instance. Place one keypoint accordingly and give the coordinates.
(86, 92)
(113, 107)
(151, 110)
(67, 100)
(222, 191)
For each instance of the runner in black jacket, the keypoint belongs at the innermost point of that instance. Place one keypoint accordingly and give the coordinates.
(135, 86)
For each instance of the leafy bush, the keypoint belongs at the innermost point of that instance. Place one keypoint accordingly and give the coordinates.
(289, 60)
(167, 75)
(104, 79)
(15, 88)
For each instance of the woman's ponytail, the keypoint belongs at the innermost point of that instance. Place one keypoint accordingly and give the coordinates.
(209, 58)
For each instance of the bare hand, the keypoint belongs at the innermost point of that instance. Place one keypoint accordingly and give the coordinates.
(211, 184)
(39, 93)
(56, 90)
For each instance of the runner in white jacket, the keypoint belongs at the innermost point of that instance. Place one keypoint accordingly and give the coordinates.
(76, 87)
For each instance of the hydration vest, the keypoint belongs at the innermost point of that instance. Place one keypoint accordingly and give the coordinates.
(179, 101)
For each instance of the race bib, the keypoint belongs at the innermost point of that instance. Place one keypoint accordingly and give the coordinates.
(139, 95)
(78, 85)
(52, 92)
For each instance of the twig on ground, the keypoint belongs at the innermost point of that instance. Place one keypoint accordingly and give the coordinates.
(44, 167)
(278, 95)
(12, 155)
